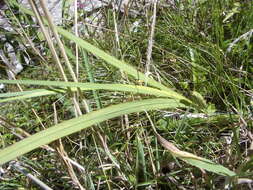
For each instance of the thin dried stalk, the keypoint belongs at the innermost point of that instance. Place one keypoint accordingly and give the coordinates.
(47, 37)
(151, 40)
(76, 33)
(18, 166)
(55, 33)
(64, 54)
(18, 132)
(64, 156)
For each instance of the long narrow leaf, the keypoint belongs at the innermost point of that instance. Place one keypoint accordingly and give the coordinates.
(13, 94)
(195, 160)
(101, 54)
(111, 60)
(83, 122)
(140, 168)
(25, 94)
(94, 86)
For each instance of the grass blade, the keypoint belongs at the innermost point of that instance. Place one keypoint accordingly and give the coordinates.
(101, 54)
(83, 122)
(140, 170)
(94, 86)
(25, 94)
(13, 94)
(111, 60)
(195, 160)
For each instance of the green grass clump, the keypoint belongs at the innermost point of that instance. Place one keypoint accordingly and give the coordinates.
(198, 97)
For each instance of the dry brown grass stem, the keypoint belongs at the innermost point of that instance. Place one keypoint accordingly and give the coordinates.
(47, 37)
(64, 156)
(57, 37)
(151, 40)
(76, 33)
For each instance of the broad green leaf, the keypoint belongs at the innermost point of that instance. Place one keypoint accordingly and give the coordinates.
(94, 86)
(83, 122)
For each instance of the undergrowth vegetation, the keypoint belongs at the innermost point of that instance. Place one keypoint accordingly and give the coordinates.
(158, 99)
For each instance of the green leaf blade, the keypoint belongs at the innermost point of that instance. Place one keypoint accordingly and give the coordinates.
(83, 122)
(95, 86)
(210, 166)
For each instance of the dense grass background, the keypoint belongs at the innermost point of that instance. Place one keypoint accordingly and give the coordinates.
(195, 50)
